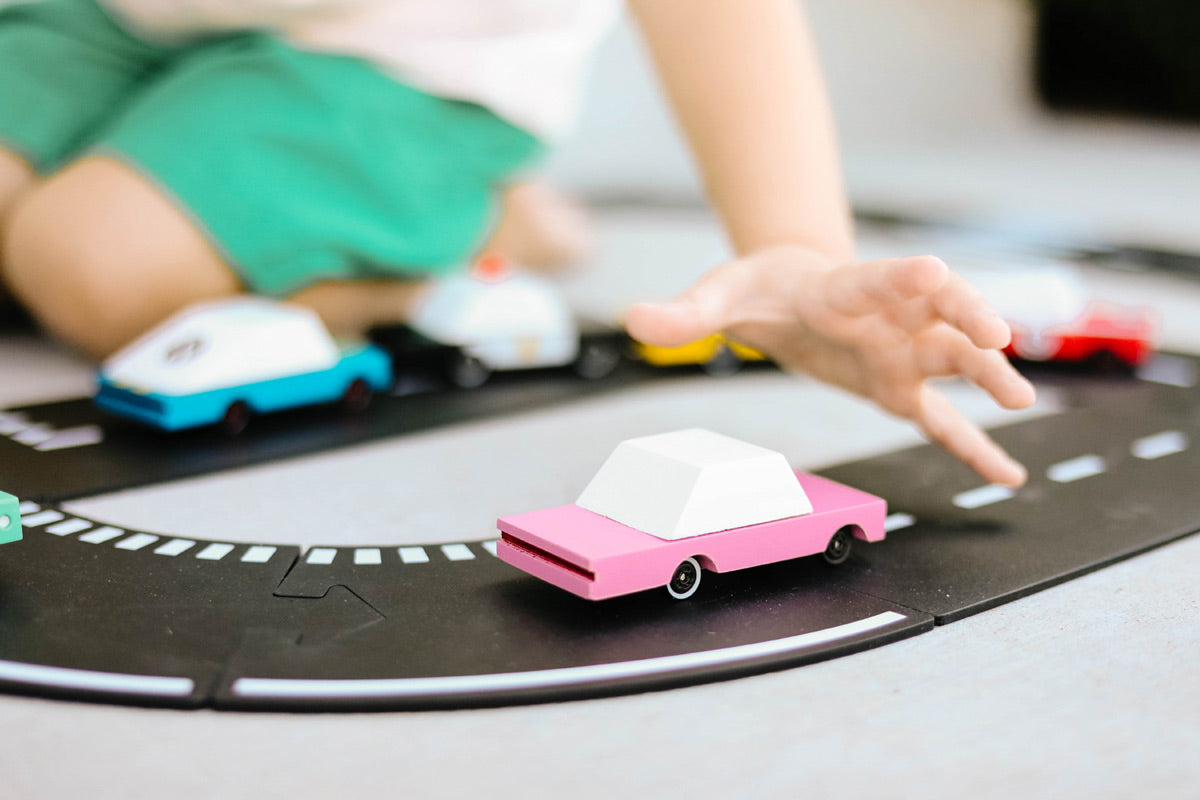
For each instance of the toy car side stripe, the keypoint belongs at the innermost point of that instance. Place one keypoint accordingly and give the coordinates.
(508, 681)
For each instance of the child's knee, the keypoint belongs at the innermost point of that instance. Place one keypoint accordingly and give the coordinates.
(64, 277)
(98, 259)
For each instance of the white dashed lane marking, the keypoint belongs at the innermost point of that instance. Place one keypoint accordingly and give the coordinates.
(45, 438)
(259, 554)
(136, 542)
(367, 555)
(983, 496)
(490, 546)
(82, 436)
(1160, 444)
(321, 556)
(101, 535)
(1169, 371)
(34, 435)
(215, 552)
(413, 555)
(174, 547)
(895, 522)
(41, 518)
(457, 552)
(1075, 469)
(68, 527)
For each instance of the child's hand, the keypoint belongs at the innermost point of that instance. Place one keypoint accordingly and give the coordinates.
(877, 328)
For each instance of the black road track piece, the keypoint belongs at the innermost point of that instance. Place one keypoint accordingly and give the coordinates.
(92, 611)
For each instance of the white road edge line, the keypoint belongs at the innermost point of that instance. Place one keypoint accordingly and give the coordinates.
(564, 676)
(110, 682)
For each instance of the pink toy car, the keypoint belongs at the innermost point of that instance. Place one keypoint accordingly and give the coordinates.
(663, 508)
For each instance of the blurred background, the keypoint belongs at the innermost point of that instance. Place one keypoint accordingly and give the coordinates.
(1070, 117)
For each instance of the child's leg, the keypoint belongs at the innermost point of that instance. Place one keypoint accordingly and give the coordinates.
(16, 176)
(250, 166)
(98, 256)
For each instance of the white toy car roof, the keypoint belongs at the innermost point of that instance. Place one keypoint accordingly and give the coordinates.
(1037, 297)
(224, 343)
(691, 482)
(467, 309)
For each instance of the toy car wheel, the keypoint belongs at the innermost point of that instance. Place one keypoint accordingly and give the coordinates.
(357, 396)
(467, 372)
(723, 362)
(685, 580)
(1036, 346)
(1106, 361)
(236, 418)
(839, 547)
(596, 360)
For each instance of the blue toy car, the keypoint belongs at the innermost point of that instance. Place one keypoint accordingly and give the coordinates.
(226, 361)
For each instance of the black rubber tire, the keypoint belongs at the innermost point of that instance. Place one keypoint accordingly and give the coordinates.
(467, 372)
(840, 546)
(236, 418)
(723, 362)
(685, 580)
(357, 397)
(596, 360)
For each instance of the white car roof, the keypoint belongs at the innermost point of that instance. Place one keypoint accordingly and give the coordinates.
(691, 482)
(466, 309)
(225, 343)
(1036, 297)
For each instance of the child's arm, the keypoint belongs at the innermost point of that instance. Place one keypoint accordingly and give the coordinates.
(744, 81)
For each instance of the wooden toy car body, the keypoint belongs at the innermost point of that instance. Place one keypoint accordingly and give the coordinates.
(717, 354)
(1052, 318)
(492, 319)
(223, 361)
(10, 518)
(629, 532)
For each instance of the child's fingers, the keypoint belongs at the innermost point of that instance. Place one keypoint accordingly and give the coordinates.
(951, 354)
(963, 306)
(943, 424)
(872, 286)
(707, 307)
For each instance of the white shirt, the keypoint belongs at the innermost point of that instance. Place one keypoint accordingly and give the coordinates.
(523, 59)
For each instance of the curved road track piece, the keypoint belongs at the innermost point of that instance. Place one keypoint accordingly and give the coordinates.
(93, 611)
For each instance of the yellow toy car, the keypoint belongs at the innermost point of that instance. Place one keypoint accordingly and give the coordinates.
(716, 354)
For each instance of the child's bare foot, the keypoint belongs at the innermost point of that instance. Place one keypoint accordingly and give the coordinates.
(541, 228)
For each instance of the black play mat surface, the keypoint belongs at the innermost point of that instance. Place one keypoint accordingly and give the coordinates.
(92, 611)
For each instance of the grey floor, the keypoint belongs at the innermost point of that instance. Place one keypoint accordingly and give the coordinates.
(1085, 688)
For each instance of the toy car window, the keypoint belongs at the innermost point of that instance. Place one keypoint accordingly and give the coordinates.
(184, 351)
